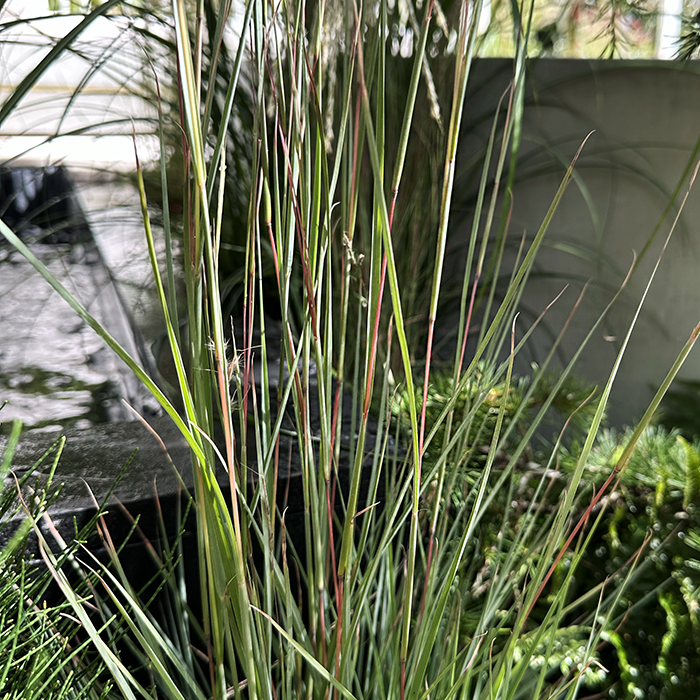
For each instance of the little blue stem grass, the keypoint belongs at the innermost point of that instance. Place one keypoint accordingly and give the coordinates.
(383, 609)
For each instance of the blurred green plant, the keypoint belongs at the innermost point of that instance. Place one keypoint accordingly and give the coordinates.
(41, 652)
(681, 408)
(573, 398)
(689, 41)
(653, 645)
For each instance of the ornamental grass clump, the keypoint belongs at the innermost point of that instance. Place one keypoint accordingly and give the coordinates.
(389, 593)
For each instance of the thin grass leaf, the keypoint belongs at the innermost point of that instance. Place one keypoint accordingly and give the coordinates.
(30, 80)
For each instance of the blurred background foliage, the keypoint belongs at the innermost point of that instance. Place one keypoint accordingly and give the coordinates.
(651, 516)
(559, 28)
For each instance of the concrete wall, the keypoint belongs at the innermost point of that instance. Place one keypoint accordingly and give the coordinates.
(646, 117)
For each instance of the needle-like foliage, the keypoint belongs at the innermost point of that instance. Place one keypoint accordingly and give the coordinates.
(42, 654)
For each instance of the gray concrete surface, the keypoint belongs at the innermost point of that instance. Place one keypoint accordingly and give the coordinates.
(644, 116)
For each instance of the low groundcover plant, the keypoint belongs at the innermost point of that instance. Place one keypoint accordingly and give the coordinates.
(42, 654)
(396, 589)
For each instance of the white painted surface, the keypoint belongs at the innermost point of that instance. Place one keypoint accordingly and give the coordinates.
(94, 130)
(668, 30)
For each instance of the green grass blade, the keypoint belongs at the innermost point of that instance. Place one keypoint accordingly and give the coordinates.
(30, 80)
